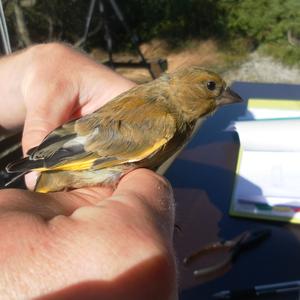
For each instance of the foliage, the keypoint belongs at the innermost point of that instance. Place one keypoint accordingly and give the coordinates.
(286, 53)
(174, 19)
(262, 21)
(249, 23)
(266, 25)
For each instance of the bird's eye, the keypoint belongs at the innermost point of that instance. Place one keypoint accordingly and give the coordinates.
(211, 85)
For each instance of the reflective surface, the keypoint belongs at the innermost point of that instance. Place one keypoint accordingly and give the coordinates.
(202, 177)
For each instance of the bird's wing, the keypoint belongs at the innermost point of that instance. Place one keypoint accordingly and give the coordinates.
(121, 131)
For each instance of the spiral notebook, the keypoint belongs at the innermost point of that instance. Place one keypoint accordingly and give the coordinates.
(267, 183)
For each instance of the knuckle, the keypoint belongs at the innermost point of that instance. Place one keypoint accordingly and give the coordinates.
(45, 57)
(43, 50)
(46, 64)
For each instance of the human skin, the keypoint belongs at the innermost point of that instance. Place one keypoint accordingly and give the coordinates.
(90, 243)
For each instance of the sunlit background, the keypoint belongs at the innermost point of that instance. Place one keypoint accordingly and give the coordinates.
(243, 39)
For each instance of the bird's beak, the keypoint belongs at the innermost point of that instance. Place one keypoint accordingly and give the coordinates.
(228, 97)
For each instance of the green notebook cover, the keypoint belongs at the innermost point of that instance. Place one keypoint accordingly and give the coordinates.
(258, 109)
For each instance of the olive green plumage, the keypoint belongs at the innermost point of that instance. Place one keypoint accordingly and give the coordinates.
(142, 127)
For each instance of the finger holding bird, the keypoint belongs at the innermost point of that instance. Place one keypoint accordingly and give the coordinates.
(142, 127)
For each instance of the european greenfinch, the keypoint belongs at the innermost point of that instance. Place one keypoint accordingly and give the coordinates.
(142, 127)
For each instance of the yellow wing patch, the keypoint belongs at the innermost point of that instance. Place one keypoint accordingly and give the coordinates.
(150, 150)
(87, 163)
(77, 165)
(133, 157)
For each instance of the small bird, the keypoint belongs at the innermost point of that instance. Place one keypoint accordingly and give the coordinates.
(142, 127)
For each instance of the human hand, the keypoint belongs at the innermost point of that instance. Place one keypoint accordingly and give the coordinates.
(48, 84)
(83, 243)
(89, 243)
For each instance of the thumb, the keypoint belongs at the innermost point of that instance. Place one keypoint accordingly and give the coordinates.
(49, 113)
(44, 115)
(154, 196)
(36, 127)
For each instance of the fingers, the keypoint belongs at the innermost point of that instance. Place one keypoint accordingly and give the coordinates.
(30, 180)
(143, 196)
(46, 109)
(149, 190)
(123, 237)
(12, 108)
(62, 83)
(50, 90)
(121, 241)
(41, 121)
(133, 226)
(41, 75)
(48, 206)
(141, 192)
(40, 205)
(99, 87)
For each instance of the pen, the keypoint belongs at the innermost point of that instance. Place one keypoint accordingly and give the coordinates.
(275, 288)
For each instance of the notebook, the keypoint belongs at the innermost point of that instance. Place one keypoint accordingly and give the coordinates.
(267, 182)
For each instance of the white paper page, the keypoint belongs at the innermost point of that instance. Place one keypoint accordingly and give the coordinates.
(270, 135)
(269, 177)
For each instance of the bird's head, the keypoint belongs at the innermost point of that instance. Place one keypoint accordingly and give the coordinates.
(197, 92)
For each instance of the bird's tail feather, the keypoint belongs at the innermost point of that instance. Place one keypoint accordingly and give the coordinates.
(15, 178)
(23, 165)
